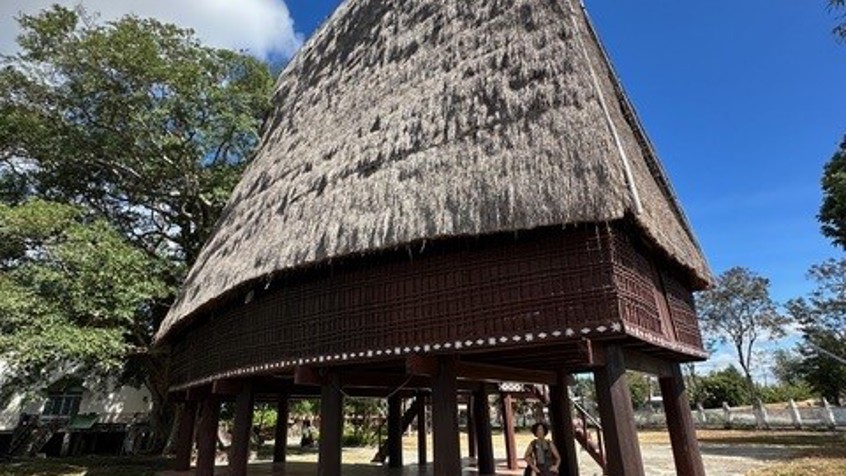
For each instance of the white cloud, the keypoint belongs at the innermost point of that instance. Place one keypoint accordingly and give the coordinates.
(262, 27)
(718, 361)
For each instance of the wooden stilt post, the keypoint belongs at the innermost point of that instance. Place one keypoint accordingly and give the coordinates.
(280, 434)
(508, 430)
(185, 436)
(394, 431)
(622, 449)
(563, 434)
(331, 427)
(484, 445)
(207, 435)
(445, 419)
(421, 429)
(471, 428)
(239, 452)
(680, 424)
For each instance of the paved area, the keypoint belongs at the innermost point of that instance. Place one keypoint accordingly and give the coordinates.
(719, 459)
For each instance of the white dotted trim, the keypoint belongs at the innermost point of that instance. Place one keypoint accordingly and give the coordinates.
(492, 341)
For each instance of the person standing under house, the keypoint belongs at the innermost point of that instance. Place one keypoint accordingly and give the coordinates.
(307, 440)
(541, 456)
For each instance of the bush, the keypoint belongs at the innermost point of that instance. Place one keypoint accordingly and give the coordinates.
(360, 435)
(727, 386)
(784, 392)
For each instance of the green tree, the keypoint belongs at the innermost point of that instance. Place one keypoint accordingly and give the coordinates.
(724, 386)
(71, 290)
(840, 28)
(787, 367)
(822, 317)
(832, 214)
(640, 389)
(739, 311)
(139, 124)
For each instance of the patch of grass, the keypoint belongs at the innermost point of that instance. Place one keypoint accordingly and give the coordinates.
(92, 466)
(810, 439)
(826, 461)
(816, 453)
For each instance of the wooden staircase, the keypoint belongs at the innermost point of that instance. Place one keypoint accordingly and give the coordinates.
(585, 426)
(30, 436)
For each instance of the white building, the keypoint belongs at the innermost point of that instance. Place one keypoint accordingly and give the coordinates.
(74, 416)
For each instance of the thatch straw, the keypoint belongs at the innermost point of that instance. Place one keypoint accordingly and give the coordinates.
(404, 120)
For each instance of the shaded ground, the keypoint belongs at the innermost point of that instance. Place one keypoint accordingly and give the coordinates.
(725, 453)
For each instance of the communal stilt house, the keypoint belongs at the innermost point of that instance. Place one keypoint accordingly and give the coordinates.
(448, 195)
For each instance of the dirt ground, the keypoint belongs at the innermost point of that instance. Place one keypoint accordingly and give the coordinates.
(725, 453)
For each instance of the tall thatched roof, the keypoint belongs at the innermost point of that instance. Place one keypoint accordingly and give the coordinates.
(406, 120)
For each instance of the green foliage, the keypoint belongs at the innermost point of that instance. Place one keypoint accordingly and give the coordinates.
(822, 319)
(365, 416)
(840, 29)
(304, 409)
(359, 436)
(134, 119)
(833, 210)
(639, 387)
(783, 392)
(786, 367)
(727, 385)
(739, 311)
(145, 131)
(70, 289)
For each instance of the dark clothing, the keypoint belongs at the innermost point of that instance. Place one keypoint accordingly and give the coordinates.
(542, 457)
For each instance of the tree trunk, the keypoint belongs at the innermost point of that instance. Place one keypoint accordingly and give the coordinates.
(757, 404)
(163, 412)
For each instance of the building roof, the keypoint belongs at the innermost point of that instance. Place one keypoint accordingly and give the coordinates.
(409, 120)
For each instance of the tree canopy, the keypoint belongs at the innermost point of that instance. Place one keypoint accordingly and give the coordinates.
(70, 290)
(130, 135)
(822, 319)
(833, 210)
(840, 28)
(739, 311)
(134, 119)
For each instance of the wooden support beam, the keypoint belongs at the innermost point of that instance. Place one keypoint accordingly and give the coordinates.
(476, 372)
(198, 394)
(445, 418)
(563, 434)
(622, 449)
(239, 452)
(395, 431)
(484, 438)
(507, 413)
(185, 436)
(407, 418)
(680, 424)
(421, 429)
(471, 429)
(280, 433)
(229, 388)
(331, 427)
(272, 386)
(637, 360)
(309, 376)
(207, 435)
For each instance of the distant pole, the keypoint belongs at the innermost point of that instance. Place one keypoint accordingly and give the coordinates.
(830, 354)
(421, 429)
